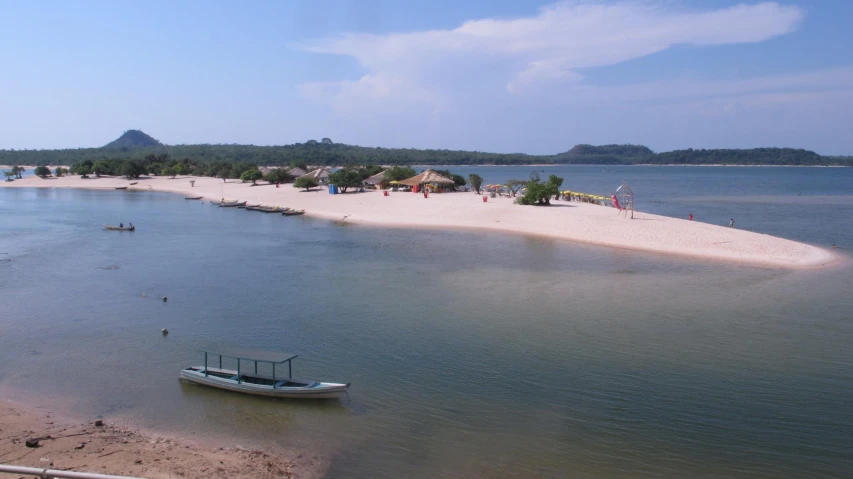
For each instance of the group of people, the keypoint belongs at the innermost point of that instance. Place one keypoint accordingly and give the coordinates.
(129, 225)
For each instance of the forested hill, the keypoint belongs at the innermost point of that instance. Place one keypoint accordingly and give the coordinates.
(135, 144)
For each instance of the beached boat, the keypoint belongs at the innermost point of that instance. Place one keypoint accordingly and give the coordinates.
(194, 197)
(248, 206)
(266, 209)
(121, 187)
(119, 228)
(232, 204)
(135, 182)
(290, 212)
(247, 380)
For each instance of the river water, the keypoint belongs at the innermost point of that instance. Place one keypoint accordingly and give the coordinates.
(470, 354)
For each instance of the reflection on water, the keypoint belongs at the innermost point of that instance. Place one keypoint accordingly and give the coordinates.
(470, 354)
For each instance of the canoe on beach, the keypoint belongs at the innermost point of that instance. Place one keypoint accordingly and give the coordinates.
(266, 209)
(119, 228)
(247, 380)
(290, 212)
(121, 187)
(232, 204)
(135, 182)
(194, 197)
(248, 206)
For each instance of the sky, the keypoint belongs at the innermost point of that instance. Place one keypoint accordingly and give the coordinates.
(487, 75)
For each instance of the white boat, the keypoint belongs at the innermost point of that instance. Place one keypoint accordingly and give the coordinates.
(249, 381)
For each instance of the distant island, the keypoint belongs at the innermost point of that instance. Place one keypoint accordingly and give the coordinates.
(136, 145)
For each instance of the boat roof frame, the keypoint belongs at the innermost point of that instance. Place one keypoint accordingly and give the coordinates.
(256, 355)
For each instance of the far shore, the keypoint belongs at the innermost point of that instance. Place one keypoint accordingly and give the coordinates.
(579, 222)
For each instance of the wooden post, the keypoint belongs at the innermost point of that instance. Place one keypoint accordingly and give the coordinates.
(289, 369)
(238, 370)
(256, 367)
(205, 364)
(273, 375)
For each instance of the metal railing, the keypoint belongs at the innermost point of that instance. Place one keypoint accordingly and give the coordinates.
(55, 474)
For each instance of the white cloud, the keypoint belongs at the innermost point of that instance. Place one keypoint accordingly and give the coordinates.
(525, 54)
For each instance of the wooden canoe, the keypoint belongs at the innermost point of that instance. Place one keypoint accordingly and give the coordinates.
(121, 187)
(193, 197)
(290, 212)
(119, 228)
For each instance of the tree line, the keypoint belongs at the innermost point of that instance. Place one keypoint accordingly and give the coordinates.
(326, 153)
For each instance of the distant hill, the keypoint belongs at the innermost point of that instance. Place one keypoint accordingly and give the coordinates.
(132, 139)
(605, 154)
(136, 145)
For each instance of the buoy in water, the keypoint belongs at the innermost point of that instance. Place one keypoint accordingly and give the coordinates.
(164, 331)
(165, 299)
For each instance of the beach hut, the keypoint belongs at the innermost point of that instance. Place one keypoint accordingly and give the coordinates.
(377, 180)
(296, 172)
(425, 177)
(320, 175)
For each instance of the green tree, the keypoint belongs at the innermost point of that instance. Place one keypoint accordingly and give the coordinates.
(306, 183)
(182, 169)
(251, 175)
(18, 171)
(397, 173)
(346, 178)
(278, 175)
(476, 181)
(42, 171)
(8, 174)
(131, 169)
(60, 171)
(370, 170)
(514, 186)
(168, 171)
(101, 168)
(84, 170)
(224, 174)
(539, 193)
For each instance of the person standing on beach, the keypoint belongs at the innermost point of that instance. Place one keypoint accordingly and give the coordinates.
(690, 217)
(731, 222)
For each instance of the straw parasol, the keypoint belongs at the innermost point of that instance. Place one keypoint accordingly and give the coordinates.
(427, 176)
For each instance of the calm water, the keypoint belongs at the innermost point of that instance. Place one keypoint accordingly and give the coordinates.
(470, 354)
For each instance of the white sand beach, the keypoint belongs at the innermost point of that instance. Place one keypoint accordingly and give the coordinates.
(572, 221)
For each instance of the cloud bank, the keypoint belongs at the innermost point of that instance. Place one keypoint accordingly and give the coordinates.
(547, 50)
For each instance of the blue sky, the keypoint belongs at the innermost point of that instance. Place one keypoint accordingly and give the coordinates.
(488, 75)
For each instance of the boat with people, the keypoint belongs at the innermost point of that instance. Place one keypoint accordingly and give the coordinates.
(246, 378)
(119, 228)
(290, 212)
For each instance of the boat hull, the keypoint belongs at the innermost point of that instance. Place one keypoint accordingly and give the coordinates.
(311, 390)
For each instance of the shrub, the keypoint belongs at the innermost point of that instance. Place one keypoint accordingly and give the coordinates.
(42, 171)
(306, 183)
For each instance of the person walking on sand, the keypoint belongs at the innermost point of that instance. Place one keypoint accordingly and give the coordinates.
(731, 222)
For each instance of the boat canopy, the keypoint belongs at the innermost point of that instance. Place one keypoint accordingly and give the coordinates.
(251, 354)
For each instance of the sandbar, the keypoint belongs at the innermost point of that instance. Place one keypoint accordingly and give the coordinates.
(579, 222)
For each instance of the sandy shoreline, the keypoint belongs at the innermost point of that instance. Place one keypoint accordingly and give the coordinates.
(117, 449)
(578, 222)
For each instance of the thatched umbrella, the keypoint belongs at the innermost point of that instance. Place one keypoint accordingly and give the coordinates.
(427, 176)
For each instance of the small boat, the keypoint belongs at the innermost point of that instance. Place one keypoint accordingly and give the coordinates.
(119, 228)
(232, 204)
(193, 197)
(249, 381)
(265, 209)
(248, 206)
(121, 187)
(135, 182)
(289, 212)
